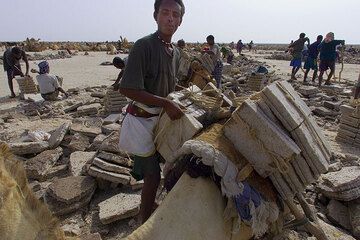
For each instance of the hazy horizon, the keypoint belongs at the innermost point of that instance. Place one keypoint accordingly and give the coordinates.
(266, 22)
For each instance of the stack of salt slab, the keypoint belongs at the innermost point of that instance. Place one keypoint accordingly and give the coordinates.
(257, 81)
(349, 130)
(114, 101)
(26, 85)
(280, 139)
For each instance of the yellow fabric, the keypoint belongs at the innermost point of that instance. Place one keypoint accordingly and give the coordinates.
(193, 210)
(22, 215)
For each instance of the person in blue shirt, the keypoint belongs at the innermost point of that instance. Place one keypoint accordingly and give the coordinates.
(311, 60)
(328, 56)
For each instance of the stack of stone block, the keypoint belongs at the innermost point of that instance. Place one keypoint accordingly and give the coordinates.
(279, 137)
(111, 167)
(26, 85)
(114, 101)
(257, 81)
(88, 110)
(349, 129)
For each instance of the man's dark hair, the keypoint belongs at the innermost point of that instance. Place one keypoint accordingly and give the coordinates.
(158, 3)
(210, 37)
(180, 43)
(117, 61)
(302, 35)
(16, 50)
(320, 37)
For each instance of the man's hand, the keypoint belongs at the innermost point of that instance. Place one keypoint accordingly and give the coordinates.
(173, 110)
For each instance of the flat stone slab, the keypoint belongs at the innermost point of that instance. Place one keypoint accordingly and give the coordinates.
(72, 107)
(345, 179)
(333, 105)
(78, 160)
(119, 207)
(58, 135)
(121, 159)
(79, 142)
(23, 148)
(89, 108)
(323, 112)
(111, 167)
(112, 118)
(109, 176)
(39, 166)
(338, 214)
(71, 189)
(111, 144)
(307, 90)
(91, 131)
(107, 129)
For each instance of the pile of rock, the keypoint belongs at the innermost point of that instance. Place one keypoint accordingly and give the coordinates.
(114, 101)
(279, 137)
(257, 81)
(26, 85)
(111, 167)
(349, 129)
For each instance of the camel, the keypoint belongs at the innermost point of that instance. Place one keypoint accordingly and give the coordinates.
(22, 215)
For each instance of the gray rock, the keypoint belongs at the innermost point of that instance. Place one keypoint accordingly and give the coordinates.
(111, 144)
(333, 105)
(107, 129)
(109, 176)
(91, 131)
(354, 209)
(71, 189)
(38, 167)
(57, 171)
(23, 148)
(323, 112)
(112, 118)
(79, 142)
(72, 107)
(308, 90)
(111, 167)
(119, 207)
(338, 214)
(121, 158)
(78, 160)
(71, 229)
(58, 135)
(334, 233)
(97, 142)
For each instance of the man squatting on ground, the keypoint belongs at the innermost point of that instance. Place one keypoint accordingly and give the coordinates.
(148, 78)
(48, 84)
(328, 56)
(311, 60)
(12, 57)
(119, 64)
(296, 49)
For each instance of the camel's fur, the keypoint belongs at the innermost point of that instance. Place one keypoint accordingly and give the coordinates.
(22, 215)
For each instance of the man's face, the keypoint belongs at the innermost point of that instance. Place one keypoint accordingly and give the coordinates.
(168, 17)
(210, 41)
(16, 56)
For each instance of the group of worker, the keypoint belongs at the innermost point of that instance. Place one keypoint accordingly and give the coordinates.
(148, 78)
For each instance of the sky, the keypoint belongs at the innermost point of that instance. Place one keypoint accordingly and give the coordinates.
(263, 21)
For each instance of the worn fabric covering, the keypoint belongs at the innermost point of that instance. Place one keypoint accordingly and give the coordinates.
(22, 215)
(192, 210)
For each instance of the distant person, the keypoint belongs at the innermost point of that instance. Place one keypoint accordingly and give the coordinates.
(250, 45)
(48, 84)
(181, 44)
(311, 60)
(328, 56)
(119, 64)
(227, 54)
(239, 46)
(357, 89)
(12, 57)
(296, 49)
(214, 52)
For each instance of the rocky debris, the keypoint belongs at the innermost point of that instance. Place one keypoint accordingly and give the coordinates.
(333, 105)
(338, 214)
(111, 143)
(90, 131)
(112, 118)
(79, 142)
(354, 210)
(119, 207)
(111, 167)
(98, 140)
(308, 91)
(72, 107)
(114, 101)
(334, 233)
(109, 176)
(71, 229)
(69, 194)
(78, 160)
(88, 110)
(323, 112)
(58, 171)
(121, 158)
(107, 129)
(58, 135)
(349, 130)
(92, 236)
(343, 185)
(23, 148)
(256, 81)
